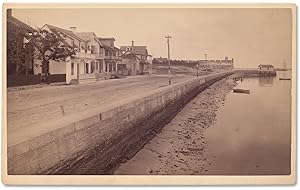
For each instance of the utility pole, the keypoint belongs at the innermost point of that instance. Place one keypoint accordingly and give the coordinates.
(206, 62)
(168, 42)
(197, 69)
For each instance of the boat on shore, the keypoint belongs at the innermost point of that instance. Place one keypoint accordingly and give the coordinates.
(237, 90)
(284, 78)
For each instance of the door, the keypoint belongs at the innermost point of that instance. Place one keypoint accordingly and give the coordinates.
(77, 71)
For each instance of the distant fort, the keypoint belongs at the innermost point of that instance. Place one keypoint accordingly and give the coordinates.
(209, 63)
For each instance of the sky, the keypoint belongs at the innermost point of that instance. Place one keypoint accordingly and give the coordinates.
(250, 36)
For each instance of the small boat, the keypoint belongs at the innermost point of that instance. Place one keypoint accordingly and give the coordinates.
(241, 91)
(284, 78)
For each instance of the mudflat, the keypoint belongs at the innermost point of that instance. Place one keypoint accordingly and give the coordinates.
(180, 148)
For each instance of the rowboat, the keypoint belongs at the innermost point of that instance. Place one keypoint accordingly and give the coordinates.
(284, 78)
(241, 91)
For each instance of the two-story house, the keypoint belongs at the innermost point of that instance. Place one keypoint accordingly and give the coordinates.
(135, 59)
(111, 57)
(94, 67)
(86, 65)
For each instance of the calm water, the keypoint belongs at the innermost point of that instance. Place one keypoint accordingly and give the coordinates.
(252, 134)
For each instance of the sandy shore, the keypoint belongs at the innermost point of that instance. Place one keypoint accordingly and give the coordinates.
(180, 148)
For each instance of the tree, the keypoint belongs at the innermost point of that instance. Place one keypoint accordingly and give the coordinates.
(18, 57)
(49, 46)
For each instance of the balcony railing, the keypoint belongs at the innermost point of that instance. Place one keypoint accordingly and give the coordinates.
(89, 55)
(85, 55)
(111, 57)
(99, 56)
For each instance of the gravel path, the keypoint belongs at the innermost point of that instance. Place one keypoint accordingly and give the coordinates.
(180, 148)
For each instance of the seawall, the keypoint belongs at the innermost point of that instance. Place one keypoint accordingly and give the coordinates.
(97, 143)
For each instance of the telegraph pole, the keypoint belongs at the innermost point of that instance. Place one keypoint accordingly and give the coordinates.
(197, 69)
(168, 42)
(206, 62)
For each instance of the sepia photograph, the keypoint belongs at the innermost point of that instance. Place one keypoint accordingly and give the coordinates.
(144, 90)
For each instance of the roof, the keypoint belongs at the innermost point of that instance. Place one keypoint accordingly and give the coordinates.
(19, 24)
(264, 65)
(107, 39)
(138, 50)
(87, 36)
(64, 31)
(129, 54)
(107, 47)
(117, 49)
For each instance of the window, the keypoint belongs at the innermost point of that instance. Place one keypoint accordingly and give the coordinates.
(106, 52)
(97, 65)
(87, 68)
(94, 50)
(72, 43)
(72, 68)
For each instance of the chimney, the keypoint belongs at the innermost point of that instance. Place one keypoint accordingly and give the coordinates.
(73, 29)
(132, 43)
(9, 13)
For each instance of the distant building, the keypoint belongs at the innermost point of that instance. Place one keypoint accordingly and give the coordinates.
(268, 70)
(221, 64)
(160, 60)
(266, 67)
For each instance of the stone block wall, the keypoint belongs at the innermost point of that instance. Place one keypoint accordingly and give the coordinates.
(97, 144)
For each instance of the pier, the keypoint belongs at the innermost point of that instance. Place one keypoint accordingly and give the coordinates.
(253, 72)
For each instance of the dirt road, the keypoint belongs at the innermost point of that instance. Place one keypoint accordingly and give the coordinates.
(33, 107)
(180, 147)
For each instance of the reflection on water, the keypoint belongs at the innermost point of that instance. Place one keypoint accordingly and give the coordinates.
(266, 81)
(252, 134)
